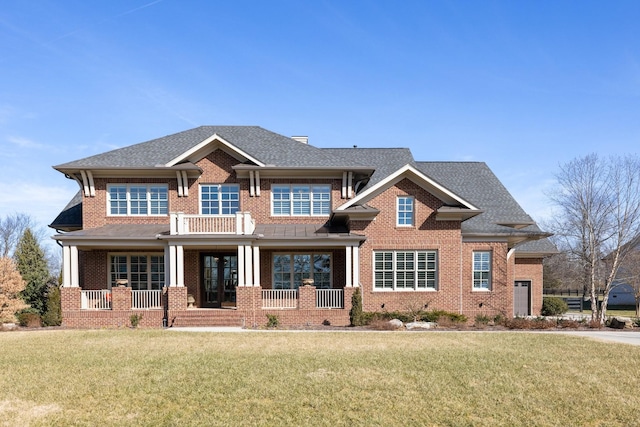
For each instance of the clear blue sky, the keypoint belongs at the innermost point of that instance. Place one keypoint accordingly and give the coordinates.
(520, 85)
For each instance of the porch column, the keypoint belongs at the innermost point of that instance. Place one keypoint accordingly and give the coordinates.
(241, 266)
(167, 266)
(70, 273)
(171, 271)
(356, 266)
(349, 263)
(179, 265)
(256, 266)
(248, 265)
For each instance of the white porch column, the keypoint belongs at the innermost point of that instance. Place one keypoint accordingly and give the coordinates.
(256, 266)
(66, 266)
(248, 265)
(356, 266)
(75, 274)
(172, 267)
(241, 266)
(179, 265)
(349, 263)
(167, 266)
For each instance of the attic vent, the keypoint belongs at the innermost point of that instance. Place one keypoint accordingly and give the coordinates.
(303, 139)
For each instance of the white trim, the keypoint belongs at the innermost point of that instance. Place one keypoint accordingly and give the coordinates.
(489, 287)
(409, 172)
(356, 266)
(185, 184)
(413, 211)
(179, 266)
(257, 183)
(75, 274)
(128, 199)
(241, 266)
(350, 185)
(92, 185)
(344, 185)
(252, 192)
(256, 266)
(85, 183)
(248, 265)
(184, 156)
(179, 179)
(349, 266)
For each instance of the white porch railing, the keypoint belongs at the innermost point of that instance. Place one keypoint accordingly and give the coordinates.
(95, 300)
(329, 298)
(279, 298)
(146, 299)
(240, 223)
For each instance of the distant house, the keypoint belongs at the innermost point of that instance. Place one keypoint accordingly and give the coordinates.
(222, 225)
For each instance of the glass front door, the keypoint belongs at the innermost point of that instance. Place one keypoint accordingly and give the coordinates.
(219, 280)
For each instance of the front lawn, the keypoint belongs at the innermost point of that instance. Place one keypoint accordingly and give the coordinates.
(160, 378)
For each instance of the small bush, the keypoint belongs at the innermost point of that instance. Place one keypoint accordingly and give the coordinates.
(554, 306)
(135, 320)
(481, 321)
(382, 325)
(636, 322)
(356, 315)
(272, 321)
(29, 317)
(594, 324)
(53, 315)
(568, 324)
(524, 323)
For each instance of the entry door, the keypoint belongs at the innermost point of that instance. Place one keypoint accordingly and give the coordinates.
(522, 298)
(219, 280)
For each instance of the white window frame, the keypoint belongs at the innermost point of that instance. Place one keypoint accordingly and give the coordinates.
(401, 211)
(127, 275)
(390, 270)
(295, 284)
(317, 198)
(482, 284)
(220, 199)
(150, 202)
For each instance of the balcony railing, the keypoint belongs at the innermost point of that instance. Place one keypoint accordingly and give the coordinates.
(95, 300)
(279, 298)
(329, 298)
(240, 223)
(146, 299)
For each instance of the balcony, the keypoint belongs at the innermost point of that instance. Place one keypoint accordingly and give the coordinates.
(239, 223)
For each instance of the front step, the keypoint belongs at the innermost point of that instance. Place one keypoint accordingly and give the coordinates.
(206, 317)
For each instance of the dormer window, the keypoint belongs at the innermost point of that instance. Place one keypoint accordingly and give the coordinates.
(137, 199)
(219, 199)
(300, 200)
(405, 211)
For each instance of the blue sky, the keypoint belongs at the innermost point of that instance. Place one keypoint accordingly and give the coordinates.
(521, 85)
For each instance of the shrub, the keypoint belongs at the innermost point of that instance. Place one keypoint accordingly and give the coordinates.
(29, 317)
(356, 315)
(482, 320)
(568, 323)
(636, 322)
(554, 306)
(524, 323)
(135, 320)
(53, 315)
(272, 321)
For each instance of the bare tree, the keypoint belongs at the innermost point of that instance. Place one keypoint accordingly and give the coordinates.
(598, 215)
(11, 229)
(11, 286)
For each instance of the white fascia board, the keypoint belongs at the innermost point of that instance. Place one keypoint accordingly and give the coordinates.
(415, 175)
(215, 137)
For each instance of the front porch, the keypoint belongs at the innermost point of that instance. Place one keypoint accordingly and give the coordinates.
(169, 307)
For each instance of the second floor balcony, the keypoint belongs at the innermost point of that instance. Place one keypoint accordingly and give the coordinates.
(239, 223)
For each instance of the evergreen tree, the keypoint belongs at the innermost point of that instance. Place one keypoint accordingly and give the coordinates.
(32, 265)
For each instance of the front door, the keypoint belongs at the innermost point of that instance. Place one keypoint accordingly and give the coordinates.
(522, 298)
(219, 280)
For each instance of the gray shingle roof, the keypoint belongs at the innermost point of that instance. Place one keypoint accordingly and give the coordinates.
(265, 146)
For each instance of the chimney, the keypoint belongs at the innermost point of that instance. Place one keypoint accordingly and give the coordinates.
(303, 139)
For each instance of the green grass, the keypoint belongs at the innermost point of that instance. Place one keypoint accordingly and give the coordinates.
(165, 378)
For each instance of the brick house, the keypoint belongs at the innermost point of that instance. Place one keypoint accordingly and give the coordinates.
(222, 225)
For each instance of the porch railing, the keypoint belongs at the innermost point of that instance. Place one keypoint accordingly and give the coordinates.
(95, 300)
(279, 298)
(146, 299)
(329, 298)
(239, 223)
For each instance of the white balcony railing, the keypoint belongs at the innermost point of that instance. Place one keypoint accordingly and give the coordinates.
(279, 298)
(329, 298)
(240, 223)
(146, 299)
(95, 300)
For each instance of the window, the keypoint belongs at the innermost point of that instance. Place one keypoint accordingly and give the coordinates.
(405, 270)
(142, 271)
(482, 270)
(138, 199)
(290, 269)
(301, 200)
(219, 199)
(405, 211)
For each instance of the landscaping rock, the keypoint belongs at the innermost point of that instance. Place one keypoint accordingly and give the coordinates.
(396, 323)
(8, 326)
(420, 325)
(620, 322)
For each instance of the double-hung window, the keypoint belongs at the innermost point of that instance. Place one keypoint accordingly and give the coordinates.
(482, 270)
(290, 269)
(405, 211)
(405, 270)
(141, 271)
(219, 199)
(138, 199)
(301, 200)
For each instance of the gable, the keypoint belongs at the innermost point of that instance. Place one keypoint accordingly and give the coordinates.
(209, 145)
